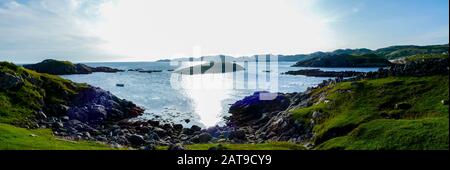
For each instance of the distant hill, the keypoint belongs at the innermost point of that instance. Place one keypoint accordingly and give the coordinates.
(390, 53)
(345, 60)
(395, 52)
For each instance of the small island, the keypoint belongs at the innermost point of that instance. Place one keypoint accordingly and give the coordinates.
(210, 68)
(57, 67)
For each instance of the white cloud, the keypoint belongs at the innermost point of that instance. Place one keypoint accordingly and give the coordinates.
(35, 30)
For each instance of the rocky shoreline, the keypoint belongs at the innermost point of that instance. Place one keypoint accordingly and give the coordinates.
(97, 115)
(320, 73)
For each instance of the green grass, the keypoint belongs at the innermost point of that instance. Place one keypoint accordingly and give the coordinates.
(20, 104)
(425, 56)
(14, 138)
(351, 106)
(422, 134)
(261, 146)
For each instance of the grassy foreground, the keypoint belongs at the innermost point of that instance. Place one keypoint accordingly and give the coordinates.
(14, 138)
(387, 113)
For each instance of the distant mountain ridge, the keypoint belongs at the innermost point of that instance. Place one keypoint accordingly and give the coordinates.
(390, 53)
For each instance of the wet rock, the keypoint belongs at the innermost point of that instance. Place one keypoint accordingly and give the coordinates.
(178, 127)
(153, 122)
(204, 137)
(195, 128)
(136, 140)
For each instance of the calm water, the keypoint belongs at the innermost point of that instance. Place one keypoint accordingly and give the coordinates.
(202, 99)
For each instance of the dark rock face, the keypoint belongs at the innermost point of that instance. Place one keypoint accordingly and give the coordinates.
(8, 81)
(94, 105)
(64, 67)
(251, 109)
(320, 73)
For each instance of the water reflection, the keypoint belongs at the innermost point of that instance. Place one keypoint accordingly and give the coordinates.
(207, 92)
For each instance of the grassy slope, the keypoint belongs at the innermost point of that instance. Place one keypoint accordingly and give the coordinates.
(17, 106)
(363, 115)
(20, 104)
(14, 138)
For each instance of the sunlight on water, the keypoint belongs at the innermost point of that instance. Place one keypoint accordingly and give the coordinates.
(207, 92)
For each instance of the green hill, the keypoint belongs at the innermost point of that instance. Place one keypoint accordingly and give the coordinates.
(395, 52)
(386, 113)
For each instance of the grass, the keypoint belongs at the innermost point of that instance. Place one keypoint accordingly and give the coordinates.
(14, 138)
(21, 103)
(428, 133)
(426, 56)
(368, 104)
(228, 146)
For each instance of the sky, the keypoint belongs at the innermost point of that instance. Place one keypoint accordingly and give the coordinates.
(148, 30)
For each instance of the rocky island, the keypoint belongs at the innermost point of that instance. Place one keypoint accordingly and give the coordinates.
(56, 67)
(210, 68)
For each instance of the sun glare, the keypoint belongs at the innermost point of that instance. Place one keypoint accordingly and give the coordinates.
(149, 30)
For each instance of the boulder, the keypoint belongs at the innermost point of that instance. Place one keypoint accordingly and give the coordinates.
(204, 137)
(252, 108)
(94, 105)
(136, 140)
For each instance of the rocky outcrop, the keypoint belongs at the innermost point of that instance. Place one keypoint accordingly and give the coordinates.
(95, 105)
(320, 73)
(56, 67)
(8, 81)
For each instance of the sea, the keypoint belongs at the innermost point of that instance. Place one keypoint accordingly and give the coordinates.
(202, 99)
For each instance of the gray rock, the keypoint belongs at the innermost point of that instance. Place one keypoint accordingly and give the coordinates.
(195, 128)
(8, 81)
(136, 140)
(204, 137)
(178, 127)
(237, 134)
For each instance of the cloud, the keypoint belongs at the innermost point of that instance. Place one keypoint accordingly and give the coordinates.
(31, 31)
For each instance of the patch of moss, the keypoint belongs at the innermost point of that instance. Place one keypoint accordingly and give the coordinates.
(385, 134)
